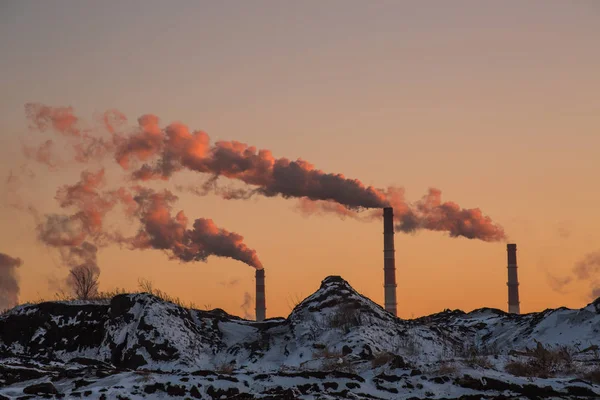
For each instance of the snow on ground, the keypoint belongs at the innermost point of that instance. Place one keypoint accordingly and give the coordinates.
(336, 343)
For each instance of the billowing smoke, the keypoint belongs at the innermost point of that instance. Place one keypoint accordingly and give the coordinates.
(585, 270)
(174, 148)
(43, 154)
(321, 207)
(143, 144)
(160, 230)
(9, 284)
(85, 145)
(432, 214)
(177, 148)
(59, 119)
(246, 306)
(78, 232)
(90, 205)
(58, 230)
(588, 269)
(558, 283)
(428, 213)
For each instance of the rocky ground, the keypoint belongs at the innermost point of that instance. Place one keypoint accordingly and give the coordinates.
(334, 344)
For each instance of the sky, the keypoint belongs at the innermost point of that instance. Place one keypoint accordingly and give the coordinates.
(496, 104)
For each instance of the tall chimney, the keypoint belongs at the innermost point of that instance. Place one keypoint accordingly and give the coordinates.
(261, 308)
(513, 281)
(389, 261)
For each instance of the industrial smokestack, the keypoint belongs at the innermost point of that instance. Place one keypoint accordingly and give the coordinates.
(261, 308)
(389, 260)
(513, 281)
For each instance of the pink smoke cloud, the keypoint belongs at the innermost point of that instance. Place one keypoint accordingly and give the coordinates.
(163, 152)
(160, 230)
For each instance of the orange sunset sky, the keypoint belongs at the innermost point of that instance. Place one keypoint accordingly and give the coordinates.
(495, 103)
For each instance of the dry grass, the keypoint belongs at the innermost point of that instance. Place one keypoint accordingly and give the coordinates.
(61, 295)
(543, 363)
(146, 286)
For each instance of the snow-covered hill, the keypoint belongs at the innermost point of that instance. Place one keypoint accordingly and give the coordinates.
(335, 343)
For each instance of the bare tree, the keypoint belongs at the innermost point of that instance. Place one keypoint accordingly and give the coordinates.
(83, 280)
(146, 285)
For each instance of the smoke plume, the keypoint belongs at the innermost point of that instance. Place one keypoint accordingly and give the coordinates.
(429, 213)
(588, 269)
(160, 230)
(433, 214)
(246, 306)
(143, 144)
(90, 205)
(9, 285)
(59, 119)
(85, 145)
(558, 283)
(43, 154)
(322, 207)
(163, 152)
(585, 270)
(176, 148)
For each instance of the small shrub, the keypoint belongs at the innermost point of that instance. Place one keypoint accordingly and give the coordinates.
(345, 318)
(519, 368)
(543, 363)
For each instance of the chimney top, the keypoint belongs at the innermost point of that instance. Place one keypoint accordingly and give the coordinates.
(511, 246)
